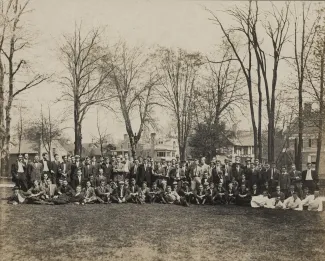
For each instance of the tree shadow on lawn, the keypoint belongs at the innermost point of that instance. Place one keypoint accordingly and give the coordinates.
(159, 232)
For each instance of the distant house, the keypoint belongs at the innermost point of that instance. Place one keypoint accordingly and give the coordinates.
(89, 149)
(310, 136)
(34, 148)
(156, 147)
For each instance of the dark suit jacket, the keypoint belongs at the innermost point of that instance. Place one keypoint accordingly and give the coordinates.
(56, 168)
(14, 170)
(48, 164)
(36, 171)
(237, 174)
(74, 170)
(108, 170)
(313, 175)
(75, 182)
(275, 174)
(67, 169)
(295, 176)
(88, 171)
(143, 174)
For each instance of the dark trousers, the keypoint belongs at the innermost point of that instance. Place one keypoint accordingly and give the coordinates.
(311, 185)
(21, 181)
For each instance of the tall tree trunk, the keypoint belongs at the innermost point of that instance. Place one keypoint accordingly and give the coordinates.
(182, 152)
(2, 124)
(321, 109)
(77, 128)
(260, 108)
(133, 145)
(7, 139)
(300, 130)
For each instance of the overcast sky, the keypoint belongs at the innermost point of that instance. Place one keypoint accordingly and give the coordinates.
(182, 24)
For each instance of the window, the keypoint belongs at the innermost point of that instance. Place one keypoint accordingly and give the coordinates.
(168, 153)
(161, 154)
(173, 154)
(174, 145)
(310, 143)
(160, 142)
(245, 150)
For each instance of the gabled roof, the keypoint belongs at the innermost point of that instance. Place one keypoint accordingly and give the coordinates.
(26, 146)
(243, 138)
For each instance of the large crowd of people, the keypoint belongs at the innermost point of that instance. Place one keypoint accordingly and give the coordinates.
(120, 179)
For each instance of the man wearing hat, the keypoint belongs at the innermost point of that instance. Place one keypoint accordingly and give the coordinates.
(121, 194)
(17, 197)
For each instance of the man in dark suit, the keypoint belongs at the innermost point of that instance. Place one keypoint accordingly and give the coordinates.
(295, 175)
(88, 169)
(121, 194)
(108, 169)
(36, 169)
(310, 178)
(77, 165)
(55, 169)
(46, 164)
(227, 172)
(77, 180)
(65, 169)
(19, 173)
(237, 171)
(142, 173)
(273, 176)
(134, 169)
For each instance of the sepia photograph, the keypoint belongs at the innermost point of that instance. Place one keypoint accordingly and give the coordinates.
(160, 130)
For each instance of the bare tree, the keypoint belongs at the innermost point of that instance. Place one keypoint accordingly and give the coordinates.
(102, 137)
(231, 35)
(20, 128)
(315, 76)
(304, 37)
(82, 55)
(131, 85)
(179, 72)
(222, 89)
(14, 39)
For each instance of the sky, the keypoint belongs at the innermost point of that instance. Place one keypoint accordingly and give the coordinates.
(168, 23)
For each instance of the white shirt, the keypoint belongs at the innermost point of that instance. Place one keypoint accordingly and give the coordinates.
(46, 168)
(126, 166)
(20, 167)
(308, 176)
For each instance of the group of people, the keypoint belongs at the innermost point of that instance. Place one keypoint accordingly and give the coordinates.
(122, 180)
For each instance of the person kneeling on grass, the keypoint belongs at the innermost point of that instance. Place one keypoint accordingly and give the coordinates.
(260, 201)
(121, 194)
(89, 192)
(103, 193)
(17, 197)
(243, 197)
(293, 202)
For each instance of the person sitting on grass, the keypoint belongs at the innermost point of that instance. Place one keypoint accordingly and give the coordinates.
(143, 194)
(210, 194)
(293, 202)
(121, 194)
(134, 191)
(199, 195)
(254, 191)
(89, 192)
(78, 197)
(186, 193)
(278, 194)
(155, 194)
(243, 197)
(103, 193)
(290, 192)
(17, 197)
(231, 194)
(313, 202)
(220, 197)
(260, 201)
(63, 194)
(171, 197)
(268, 188)
(34, 194)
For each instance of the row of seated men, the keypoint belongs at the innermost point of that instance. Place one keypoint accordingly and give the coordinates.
(48, 193)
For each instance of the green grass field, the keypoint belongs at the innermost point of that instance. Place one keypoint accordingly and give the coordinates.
(158, 232)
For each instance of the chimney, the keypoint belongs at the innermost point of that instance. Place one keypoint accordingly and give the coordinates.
(152, 144)
(308, 107)
(234, 129)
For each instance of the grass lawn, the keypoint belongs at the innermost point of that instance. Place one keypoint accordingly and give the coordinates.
(158, 232)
